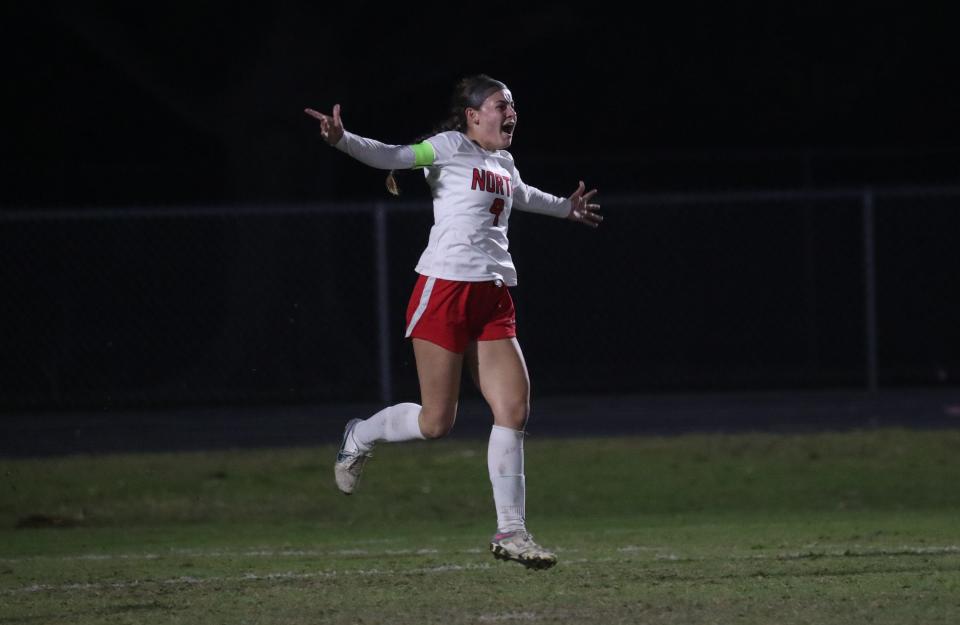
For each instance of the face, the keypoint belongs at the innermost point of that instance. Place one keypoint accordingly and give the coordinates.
(492, 124)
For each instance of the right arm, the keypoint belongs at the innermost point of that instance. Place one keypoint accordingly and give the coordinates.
(367, 151)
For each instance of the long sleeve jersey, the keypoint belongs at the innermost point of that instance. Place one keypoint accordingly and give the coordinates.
(473, 191)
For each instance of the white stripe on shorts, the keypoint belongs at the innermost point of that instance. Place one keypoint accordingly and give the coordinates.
(422, 306)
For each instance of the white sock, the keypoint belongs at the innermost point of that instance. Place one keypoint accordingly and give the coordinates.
(505, 463)
(393, 424)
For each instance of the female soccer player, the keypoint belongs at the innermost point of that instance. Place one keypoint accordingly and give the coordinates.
(460, 309)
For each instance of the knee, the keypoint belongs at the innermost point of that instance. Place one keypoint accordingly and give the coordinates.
(435, 430)
(512, 414)
(437, 425)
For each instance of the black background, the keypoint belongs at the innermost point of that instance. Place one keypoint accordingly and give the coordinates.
(202, 101)
(200, 105)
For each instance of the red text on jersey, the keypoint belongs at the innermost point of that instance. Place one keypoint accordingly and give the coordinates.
(490, 182)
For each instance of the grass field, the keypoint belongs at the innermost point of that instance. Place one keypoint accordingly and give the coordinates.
(859, 527)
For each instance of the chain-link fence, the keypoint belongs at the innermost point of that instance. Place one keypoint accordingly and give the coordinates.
(111, 307)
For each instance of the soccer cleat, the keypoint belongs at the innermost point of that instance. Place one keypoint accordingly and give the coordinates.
(349, 465)
(520, 547)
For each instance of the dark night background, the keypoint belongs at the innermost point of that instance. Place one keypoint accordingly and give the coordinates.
(199, 103)
(175, 232)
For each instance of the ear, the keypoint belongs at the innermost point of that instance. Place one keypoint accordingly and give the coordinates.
(473, 116)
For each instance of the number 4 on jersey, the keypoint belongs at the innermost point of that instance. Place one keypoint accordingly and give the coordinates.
(496, 209)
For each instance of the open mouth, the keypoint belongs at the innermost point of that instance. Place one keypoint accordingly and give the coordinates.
(508, 127)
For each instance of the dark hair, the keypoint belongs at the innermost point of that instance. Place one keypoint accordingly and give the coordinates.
(470, 92)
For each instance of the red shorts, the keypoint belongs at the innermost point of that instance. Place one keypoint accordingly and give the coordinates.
(453, 314)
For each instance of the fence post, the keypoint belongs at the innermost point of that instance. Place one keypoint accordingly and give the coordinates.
(870, 289)
(382, 303)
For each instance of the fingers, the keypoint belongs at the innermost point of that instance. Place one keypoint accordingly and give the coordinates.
(576, 201)
(579, 193)
(331, 127)
(581, 209)
(590, 218)
(324, 121)
(335, 119)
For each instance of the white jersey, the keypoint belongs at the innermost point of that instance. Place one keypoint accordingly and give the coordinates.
(474, 191)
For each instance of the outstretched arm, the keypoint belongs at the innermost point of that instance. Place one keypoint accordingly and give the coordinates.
(577, 207)
(367, 151)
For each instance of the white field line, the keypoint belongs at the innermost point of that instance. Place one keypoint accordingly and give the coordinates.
(857, 552)
(251, 553)
(508, 616)
(255, 553)
(658, 553)
(248, 577)
(446, 568)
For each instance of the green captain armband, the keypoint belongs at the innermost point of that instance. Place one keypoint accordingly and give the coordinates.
(423, 154)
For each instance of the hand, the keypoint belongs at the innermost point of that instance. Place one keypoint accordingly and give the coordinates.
(582, 210)
(331, 127)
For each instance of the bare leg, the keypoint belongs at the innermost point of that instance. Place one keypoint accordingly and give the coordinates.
(439, 371)
(501, 374)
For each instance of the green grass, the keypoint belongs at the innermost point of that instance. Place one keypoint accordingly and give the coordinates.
(828, 528)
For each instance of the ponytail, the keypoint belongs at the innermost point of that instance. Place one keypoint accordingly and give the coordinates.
(391, 183)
